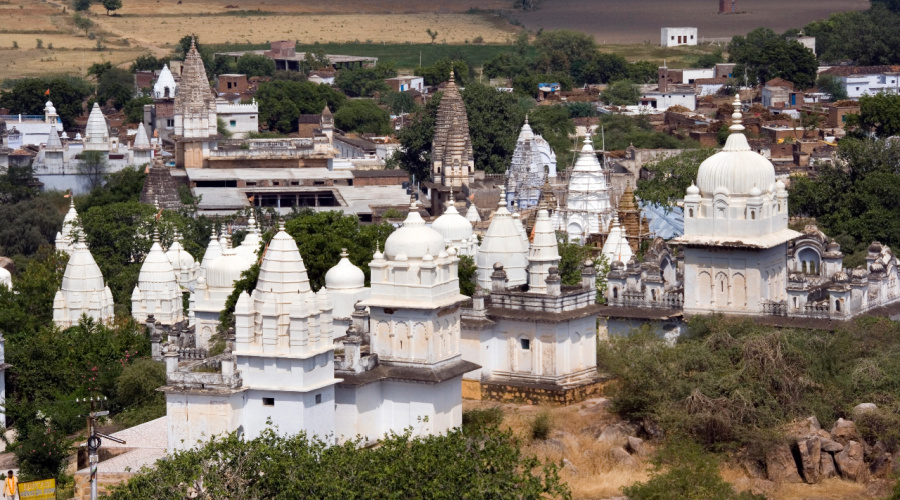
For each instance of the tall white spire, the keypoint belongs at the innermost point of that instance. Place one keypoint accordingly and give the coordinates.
(96, 132)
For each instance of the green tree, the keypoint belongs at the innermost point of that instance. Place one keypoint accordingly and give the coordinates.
(147, 62)
(28, 96)
(867, 38)
(621, 93)
(555, 125)
(880, 113)
(93, 165)
(558, 50)
(122, 186)
(28, 224)
(495, 120)
(668, 179)
(112, 5)
(281, 102)
(365, 82)
(98, 69)
(765, 55)
(414, 155)
(115, 85)
(17, 184)
(506, 64)
(710, 60)
(252, 64)
(832, 86)
(439, 72)
(363, 116)
(479, 462)
(134, 109)
(432, 34)
(467, 275)
(399, 102)
(81, 22)
(81, 5)
(600, 68)
(642, 72)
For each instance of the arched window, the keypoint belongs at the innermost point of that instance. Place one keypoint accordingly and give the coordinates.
(795, 302)
(752, 215)
(722, 286)
(653, 294)
(690, 212)
(615, 292)
(837, 305)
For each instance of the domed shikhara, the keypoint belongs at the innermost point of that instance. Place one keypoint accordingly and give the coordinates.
(82, 291)
(156, 272)
(344, 276)
(82, 272)
(452, 226)
(736, 168)
(414, 239)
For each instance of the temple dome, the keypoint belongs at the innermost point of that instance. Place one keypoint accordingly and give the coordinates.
(179, 257)
(345, 276)
(82, 272)
(737, 168)
(157, 272)
(414, 239)
(452, 225)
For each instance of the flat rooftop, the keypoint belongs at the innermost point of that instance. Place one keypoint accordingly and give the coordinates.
(301, 56)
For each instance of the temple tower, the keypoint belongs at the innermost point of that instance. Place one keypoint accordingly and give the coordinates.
(195, 114)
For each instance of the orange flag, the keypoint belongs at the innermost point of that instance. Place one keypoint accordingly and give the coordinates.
(47, 92)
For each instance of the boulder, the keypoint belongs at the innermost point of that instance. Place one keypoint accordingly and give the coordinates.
(850, 462)
(863, 408)
(810, 458)
(615, 435)
(635, 446)
(780, 465)
(831, 446)
(814, 424)
(882, 462)
(622, 457)
(652, 429)
(843, 431)
(826, 466)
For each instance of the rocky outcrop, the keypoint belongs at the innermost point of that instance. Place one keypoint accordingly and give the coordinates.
(810, 458)
(850, 462)
(780, 465)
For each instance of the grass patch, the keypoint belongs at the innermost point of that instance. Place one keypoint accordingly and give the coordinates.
(674, 57)
(479, 418)
(404, 55)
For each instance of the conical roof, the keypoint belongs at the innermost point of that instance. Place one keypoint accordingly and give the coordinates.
(194, 92)
(502, 243)
(249, 248)
(53, 141)
(451, 117)
(164, 82)
(157, 273)
(472, 214)
(96, 132)
(213, 251)
(282, 275)
(616, 248)
(82, 272)
(141, 140)
(544, 248)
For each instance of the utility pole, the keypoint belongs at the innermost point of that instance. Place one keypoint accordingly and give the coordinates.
(93, 441)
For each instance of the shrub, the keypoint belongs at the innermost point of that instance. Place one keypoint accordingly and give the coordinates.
(879, 425)
(541, 425)
(479, 418)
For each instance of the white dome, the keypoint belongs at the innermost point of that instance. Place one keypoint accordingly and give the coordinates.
(414, 239)
(526, 134)
(5, 278)
(156, 272)
(179, 257)
(165, 82)
(249, 247)
(452, 225)
(223, 271)
(213, 252)
(344, 276)
(82, 272)
(737, 168)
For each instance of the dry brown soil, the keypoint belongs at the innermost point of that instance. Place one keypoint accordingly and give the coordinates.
(639, 21)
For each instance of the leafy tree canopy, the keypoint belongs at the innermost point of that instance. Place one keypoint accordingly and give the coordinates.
(281, 102)
(365, 82)
(555, 125)
(111, 6)
(766, 55)
(867, 38)
(252, 64)
(439, 72)
(115, 85)
(148, 62)
(134, 109)
(832, 86)
(880, 113)
(478, 463)
(363, 116)
(558, 50)
(494, 123)
(669, 178)
(621, 93)
(28, 96)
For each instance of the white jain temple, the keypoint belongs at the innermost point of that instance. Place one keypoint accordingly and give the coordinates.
(740, 257)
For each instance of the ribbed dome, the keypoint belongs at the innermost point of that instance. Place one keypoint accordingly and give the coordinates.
(156, 271)
(414, 239)
(344, 276)
(179, 257)
(452, 225)
(224, 270)
(737, 168)
(282, 268)
(82, 272)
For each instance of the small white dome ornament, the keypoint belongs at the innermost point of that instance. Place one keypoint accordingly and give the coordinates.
(414, 239)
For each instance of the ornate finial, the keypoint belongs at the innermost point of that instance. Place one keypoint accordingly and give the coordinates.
(344, 253)
(71, 200)
(377, 246)
(193, 43)
(452, 80)
(502, 196)
(736, 117)
(280, 224)
(526, 118)
(155, 234)
(412, 202)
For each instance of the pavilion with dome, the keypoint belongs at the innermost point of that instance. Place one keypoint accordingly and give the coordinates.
(740, 257)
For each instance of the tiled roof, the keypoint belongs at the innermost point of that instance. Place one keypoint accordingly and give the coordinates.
(861, 70)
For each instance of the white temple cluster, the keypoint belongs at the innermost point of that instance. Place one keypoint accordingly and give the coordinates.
(740, 257)
(588, 210)
(533, 161)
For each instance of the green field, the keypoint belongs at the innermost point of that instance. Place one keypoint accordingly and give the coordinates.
(404, 55)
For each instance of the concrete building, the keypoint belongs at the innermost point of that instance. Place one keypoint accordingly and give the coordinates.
(676, 37)
(286, 57)
(858, 81)
(404, 83)
(777, 92)
(31, 130)
(239, 119)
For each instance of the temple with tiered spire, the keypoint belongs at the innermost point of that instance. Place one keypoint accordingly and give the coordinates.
(196, 130)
